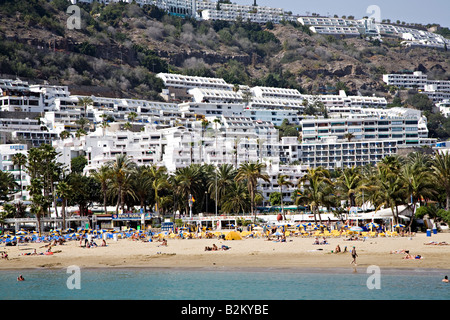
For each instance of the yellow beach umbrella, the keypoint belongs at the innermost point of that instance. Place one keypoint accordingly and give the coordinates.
(233, 235)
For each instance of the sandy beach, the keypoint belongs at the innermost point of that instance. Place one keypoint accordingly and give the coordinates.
(297, 252)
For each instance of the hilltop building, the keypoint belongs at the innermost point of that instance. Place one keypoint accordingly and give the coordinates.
(436, 90)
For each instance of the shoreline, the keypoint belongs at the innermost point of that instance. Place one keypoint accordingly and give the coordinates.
(292, 270)
(256, 255)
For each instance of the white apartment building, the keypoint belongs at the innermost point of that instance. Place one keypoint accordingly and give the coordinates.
(369, 27)
(189, 82)
(336, 31)
(293, 174)
(26, 131)
(216, 96)
(437, 96)
(276, 93)
(274, 113)
(333, 153)
(253, 16)
(444, 107)
(343, 101)
(15, 95)
(275, 116)
(360, 139)
(11, 125)
(51, 94)
(436, 90)
(213, 109)
(409, 81)
(7, 151)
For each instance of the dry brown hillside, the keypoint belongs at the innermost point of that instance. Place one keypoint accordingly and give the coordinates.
(120, 47)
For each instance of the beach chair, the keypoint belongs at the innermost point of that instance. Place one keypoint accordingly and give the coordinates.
(382, 234)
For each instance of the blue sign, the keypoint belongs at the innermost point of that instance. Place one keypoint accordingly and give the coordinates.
(167, 226)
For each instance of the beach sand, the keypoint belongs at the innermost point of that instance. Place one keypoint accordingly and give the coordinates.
(297, 252)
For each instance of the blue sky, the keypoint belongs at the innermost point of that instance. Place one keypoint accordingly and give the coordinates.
(428, 11)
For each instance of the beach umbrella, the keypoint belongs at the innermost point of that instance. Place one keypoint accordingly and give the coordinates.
(21, 233)
(399, 225)
(372, 225)
(68, 230)
(277, 233)
(356, 228)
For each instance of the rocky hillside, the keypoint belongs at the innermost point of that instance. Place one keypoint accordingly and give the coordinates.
(120, 47)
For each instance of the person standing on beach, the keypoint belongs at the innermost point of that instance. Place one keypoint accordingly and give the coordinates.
(354, 255)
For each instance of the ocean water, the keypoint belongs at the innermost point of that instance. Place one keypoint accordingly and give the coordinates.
(205, 284)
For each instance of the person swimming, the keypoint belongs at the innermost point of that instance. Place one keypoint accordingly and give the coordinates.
(20, 278)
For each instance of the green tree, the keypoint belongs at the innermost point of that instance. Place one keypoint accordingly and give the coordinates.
(315, 186)
(8, 185)
(85, 102)
(275, 199)
(251, 173)
(20, 160)
(348, 183)
(121, 173)
(440, 167)
(223, 178)
(103, 177)
(283, 181)
(64, 192)
(186, 183)
(236, 199)
(77, 164)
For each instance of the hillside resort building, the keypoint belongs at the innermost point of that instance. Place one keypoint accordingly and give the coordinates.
(208, 121)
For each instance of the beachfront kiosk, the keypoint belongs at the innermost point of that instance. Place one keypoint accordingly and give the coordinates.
(211, 223)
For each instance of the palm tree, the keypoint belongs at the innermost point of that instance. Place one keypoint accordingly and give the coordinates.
(40, 202)
(8, 185)
(237, 198)
(64, 191)
(389, 189)
(418, 183)
(142, 184)
(132, 116)
(440, 167)
(251, 172)
(186, 183)
(121, 171)
(349, 136)
(64, 135)
(127, 125)
(83, 123)
(205, 124)
(283, 181)
(103, 176)
(80, 132)
(220, 181)
(159, 184)
(316, 186)
(85, 102)
(20, 160)
(349, 181)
